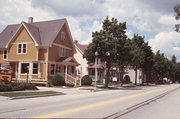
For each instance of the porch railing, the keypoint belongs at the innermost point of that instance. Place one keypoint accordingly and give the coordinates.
(76, 81)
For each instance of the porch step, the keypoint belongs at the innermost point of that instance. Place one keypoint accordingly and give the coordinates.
(76, 81)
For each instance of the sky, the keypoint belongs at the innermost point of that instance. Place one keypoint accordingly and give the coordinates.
(153, 19)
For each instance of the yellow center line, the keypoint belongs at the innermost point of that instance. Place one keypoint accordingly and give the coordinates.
(98, 104)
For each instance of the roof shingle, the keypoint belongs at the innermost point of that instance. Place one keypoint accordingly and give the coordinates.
(43, 32)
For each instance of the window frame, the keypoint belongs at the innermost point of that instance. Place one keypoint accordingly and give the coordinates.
(62, 52)
(35, 69)
(63, 36)
(51, 69)
(21, 48)
(5, 54)
(21, 68)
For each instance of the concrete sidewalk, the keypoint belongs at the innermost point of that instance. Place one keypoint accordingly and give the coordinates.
(3, 98)
(65, 90)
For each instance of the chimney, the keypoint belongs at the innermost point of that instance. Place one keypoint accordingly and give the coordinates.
(30, 19)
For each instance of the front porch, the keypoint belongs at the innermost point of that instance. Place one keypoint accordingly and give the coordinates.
(40, 71)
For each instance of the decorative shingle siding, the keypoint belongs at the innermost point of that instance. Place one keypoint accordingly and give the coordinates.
(23, 37)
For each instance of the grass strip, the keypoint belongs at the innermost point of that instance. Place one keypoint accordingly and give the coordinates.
(19, 94)
(86, 88)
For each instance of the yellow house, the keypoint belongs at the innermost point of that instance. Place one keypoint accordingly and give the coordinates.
(44, 48)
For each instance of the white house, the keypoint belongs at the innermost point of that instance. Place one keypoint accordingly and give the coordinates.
(131, 73)
(83, 67)
(88, 69)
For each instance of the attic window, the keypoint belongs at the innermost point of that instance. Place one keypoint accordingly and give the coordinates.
(63, 35)
(22, 48)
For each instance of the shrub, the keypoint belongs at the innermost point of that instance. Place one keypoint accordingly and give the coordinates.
(5, 87)
(127, 79)
(58, 80)
(86, 80)
(16, 86)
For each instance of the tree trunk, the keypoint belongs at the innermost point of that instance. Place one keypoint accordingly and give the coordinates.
(108, 66)
(135, 76)
(107, 77)
(142, 78)
(121, 74)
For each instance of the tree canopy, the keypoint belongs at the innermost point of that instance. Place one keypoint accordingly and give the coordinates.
(117, 50)
(177, 16)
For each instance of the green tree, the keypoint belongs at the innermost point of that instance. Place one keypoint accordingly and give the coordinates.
(163, 67)
(173, 59)
(137, 53)
(177, 16)
(123, 48)
(177, 73)
(104, 42)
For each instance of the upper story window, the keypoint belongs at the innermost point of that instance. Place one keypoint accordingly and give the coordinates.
(22, 48)
(5, 54)
(63, 36)
(62, 52)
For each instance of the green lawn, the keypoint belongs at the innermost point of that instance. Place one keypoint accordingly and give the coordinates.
(86, 88)
(18, 94)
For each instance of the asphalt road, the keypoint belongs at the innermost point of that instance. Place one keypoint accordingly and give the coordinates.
(152, 102)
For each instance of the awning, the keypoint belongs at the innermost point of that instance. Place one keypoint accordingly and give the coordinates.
(68, 61)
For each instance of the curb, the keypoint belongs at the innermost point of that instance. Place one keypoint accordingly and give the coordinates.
(34, 96)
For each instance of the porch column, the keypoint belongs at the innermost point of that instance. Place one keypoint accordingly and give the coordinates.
(19, 70)
(47, 71)
(30, 70)
(66, 73)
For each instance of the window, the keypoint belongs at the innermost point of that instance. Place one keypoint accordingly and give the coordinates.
(91, 72)
(52, 71)
(62, 52)
(35, 68)
(22, 48)
(5, 53)
(58, 69)
(24, 68)
(63, 35)
(72, 69)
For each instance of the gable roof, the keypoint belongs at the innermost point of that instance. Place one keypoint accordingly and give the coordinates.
(44, 32)
(80, 47)
(7, 33)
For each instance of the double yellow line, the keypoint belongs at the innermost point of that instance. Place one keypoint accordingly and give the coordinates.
(99, 104)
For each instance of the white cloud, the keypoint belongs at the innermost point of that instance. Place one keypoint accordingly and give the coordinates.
(15, 11)
(85, 16)
(77, 8)
(167, 42)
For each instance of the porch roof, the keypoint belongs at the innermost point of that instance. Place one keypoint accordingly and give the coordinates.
(68, 61)
(99, 66)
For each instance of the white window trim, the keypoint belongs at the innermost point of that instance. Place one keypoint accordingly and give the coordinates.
(54, 69)
(6, 54)
(30, 68)
(62, 52)
(21, 66)
(63, 33)
(22, 48)
(38, 68)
